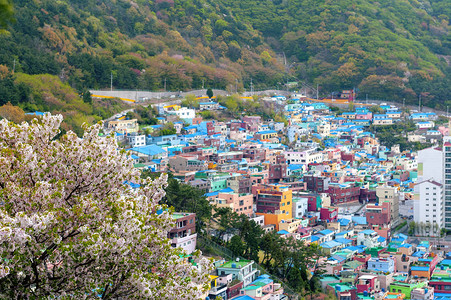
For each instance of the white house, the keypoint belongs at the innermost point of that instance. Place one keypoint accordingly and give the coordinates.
(135, 140)
(425, 125)
(304, 157)
(428, 204)
(184, 113)
(299, 207)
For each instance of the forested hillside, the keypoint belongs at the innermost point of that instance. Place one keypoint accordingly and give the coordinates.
(386, 49)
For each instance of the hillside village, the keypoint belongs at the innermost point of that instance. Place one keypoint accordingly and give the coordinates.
(321, 177)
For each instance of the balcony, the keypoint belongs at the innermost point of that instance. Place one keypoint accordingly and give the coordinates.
(218, 290)
(181, 240)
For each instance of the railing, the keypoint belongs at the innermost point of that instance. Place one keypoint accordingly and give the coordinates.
(203, 241)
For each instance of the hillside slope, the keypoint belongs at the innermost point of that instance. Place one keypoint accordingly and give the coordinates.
(386, 49)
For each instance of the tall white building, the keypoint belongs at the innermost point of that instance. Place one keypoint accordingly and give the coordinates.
(429, 208)
(447, 179)
(429, 204)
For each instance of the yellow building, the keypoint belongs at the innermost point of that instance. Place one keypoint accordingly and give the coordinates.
(267, 134)
(124, 126)
(290, 225)
(275, 202)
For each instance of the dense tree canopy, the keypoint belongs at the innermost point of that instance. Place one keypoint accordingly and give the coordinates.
(391, 50)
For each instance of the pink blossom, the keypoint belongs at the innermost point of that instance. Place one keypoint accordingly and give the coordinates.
(69, 227)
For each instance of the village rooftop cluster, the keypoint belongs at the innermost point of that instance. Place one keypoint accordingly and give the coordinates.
(319, 177)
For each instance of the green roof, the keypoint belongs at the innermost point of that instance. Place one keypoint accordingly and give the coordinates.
(329, 278)
(344, 287)
(362, 297)
(239, 264)
(251, 287)
(438, 278)
(178, 215)
(352, 264)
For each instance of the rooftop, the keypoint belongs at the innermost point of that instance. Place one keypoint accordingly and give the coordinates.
(236, 264)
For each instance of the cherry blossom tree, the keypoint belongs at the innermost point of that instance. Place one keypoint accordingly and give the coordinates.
(70, 227)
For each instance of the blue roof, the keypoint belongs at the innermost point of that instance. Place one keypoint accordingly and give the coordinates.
(211, 194)
(282, 232)
(367, 231)
(418, 268)
(337, 258)
(381, 239)
(266, 132)
(132, 184)
(359, 249)
(148, 150)
(359, 220)
(314, 238)
(207, 103)
(245, 297)
(330, 244)
(37, 113)
(342, 232)
(294, 167)
(343, 241)
(419, 254)
(326, 232)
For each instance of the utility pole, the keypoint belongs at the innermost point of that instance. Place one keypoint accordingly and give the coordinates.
(317, 98)
(202, 84)
(111, 82)
(252, 88)
(447, 110)
(403, 102)
(419, 103)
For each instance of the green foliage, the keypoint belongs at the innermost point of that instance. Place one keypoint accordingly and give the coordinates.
(12, 91)
(167, 129)
(47, 93)
(390, 135)
(389, 50)
(210, 93)
(6, 13)
(185, 198)
(190, 101)
(375, 109)
(400, 226)
(288, 259)
(144, 115)
(412, 227)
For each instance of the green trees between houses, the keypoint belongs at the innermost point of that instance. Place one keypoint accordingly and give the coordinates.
(388, 50)
(289, 259)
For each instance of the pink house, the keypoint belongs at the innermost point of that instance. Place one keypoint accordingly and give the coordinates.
(263, 288)
(364, 116)
(368, 283)
(240, 203)
(333, 154)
